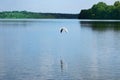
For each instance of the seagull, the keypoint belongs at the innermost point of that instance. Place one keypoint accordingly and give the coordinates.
(63, 29)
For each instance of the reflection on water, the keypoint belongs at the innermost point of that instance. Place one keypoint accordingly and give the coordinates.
(61, 63)
(36, 50)
(101, 25)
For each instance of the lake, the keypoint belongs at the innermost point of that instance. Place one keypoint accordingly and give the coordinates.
(34, 49)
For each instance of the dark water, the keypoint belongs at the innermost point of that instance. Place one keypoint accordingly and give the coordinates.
(36, 50)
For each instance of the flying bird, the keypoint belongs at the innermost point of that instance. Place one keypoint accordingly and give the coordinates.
(63, 29)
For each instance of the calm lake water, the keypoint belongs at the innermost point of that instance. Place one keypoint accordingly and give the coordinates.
(33, 49)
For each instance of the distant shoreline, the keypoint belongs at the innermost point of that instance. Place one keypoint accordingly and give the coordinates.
(79, 20)
(35, 15)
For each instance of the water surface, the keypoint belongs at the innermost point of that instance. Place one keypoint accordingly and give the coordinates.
(32, 50)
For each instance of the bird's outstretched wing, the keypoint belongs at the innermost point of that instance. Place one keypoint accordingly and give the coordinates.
(63, 29)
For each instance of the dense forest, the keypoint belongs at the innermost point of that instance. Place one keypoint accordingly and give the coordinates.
(101, 11)
(35, 15)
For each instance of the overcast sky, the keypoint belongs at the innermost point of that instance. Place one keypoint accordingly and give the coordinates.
(52, 6)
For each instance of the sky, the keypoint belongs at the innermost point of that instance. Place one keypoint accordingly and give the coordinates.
(49, 6)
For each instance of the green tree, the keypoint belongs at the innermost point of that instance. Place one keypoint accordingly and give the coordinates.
(102, 11)
(117, 3)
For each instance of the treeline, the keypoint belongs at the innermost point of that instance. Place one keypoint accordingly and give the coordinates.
(35, 15)
(101, 11)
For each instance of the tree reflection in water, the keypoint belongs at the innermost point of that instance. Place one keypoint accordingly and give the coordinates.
(101, 25)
